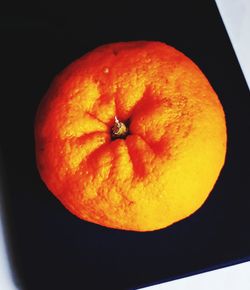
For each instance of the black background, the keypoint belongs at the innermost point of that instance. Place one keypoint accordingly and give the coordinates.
(49, 247)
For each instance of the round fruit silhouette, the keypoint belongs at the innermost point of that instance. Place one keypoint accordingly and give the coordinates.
(131, 136)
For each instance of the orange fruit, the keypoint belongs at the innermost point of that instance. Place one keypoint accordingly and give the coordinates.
(131, 136)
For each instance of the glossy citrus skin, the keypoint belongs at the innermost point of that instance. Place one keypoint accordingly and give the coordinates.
(163, 169)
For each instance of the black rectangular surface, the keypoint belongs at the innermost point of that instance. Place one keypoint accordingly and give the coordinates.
(49, 247)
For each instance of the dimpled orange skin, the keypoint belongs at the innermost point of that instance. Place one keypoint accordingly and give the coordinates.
(166, 166)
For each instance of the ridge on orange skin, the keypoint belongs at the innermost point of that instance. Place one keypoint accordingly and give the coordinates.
(164, 168)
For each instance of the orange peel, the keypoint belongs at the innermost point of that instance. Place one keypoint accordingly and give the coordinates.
(131, 136)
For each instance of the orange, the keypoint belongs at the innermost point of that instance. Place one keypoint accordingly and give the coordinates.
(131, 136)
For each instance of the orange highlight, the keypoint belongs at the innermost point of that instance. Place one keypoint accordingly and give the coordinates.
(131, 136)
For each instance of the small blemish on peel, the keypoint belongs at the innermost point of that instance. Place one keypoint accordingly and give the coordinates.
(106, 70)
